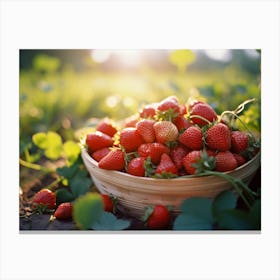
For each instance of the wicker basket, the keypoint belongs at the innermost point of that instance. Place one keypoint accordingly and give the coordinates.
(135, 193)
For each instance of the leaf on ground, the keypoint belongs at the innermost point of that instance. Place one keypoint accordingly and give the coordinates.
(196, 215)
(79, 184)
(64, 195)
(87, 210)
(224, 201)
(235, 219)
(108, 221)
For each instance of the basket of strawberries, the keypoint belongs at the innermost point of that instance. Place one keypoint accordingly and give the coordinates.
(169, 152)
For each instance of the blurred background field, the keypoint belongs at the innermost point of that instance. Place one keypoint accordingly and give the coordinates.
(63, 90)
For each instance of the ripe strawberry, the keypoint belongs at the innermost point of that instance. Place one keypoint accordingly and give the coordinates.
(177, 154)
(192, 138)
(240, 159)
(165, 132)
(204, 110)
(98, 140)
(190, 159)
(130, 139)
(169, 103)
(108, 204)
(225, 161)
(193, 103)
(131, 121)
(239, 141)
(181, 123)
(153, 150)
(99, 154)
(136, 167)
(44, 198)
(149, 111)
(218, 137)
(107, 127)
(157, 217)
(166, 166)
(114, 160)
(146, 130)
(64, 211)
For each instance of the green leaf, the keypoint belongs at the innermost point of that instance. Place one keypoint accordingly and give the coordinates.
(107, 221)
(224, 201)
(40, 140)
(79, 184)
(196, 215)
(235, 219)
(46, 63)
(53, 152)
(72, 151)
(68, 172)
(63, 195)
(87, 210)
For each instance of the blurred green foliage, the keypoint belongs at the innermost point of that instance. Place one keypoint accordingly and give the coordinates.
(56, 97)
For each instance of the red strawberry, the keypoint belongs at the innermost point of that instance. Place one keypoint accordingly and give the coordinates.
(153, 150)
(177, 154)
(169, 103)
(225, 161)
(193, 103)
(98, 140)
(146, 130)
(192, 138)
(165, 132)
(131, 121)
(45, 198)
(99, 154)
(130, 139)
(157, 217)
(183, 109)
(107, 127)
(166, 165)
(108, 204)
(218, 137)
(211, 153)
(64, 211)
(114, 160)
(190, 159)
(181, 123)
(239, 141)
(240, 159)
(203, 110)
(136, 167)
(149, 111)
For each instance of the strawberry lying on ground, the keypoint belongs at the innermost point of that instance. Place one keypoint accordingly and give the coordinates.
(157, 217)
(64, 211)
(43, 200)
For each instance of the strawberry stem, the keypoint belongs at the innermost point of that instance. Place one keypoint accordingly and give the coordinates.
(35, 166)
(200, 117)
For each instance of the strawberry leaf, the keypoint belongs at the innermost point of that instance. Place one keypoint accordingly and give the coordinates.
(63, 195)
(224, 201)
(108, 221)
(87, 210)
(196, 215)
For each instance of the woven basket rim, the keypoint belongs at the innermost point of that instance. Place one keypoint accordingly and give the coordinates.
(148, 179)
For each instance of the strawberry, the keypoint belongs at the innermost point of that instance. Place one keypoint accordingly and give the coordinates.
(146, 130)
(225, 161)
(98, 140)
(130, 139)
(177, 154)
(107, 127)
(157, 217)
(148, 111)
(181, 123)
(169, 103)
(114, 160)
(99, 154)
(131, 121)
(239, 141)
(64, 211)
(218, 137)
(192, 138)
(190, 159)
(203, 110)
(153, 150)
(193, 103)
(44, 199)
(136, 167)
(166, 166)
(240, 159)
(108, 204)
(165, 132)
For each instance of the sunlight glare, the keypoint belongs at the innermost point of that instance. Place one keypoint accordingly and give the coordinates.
(221, 55)
(129, 58)
(100, 56)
